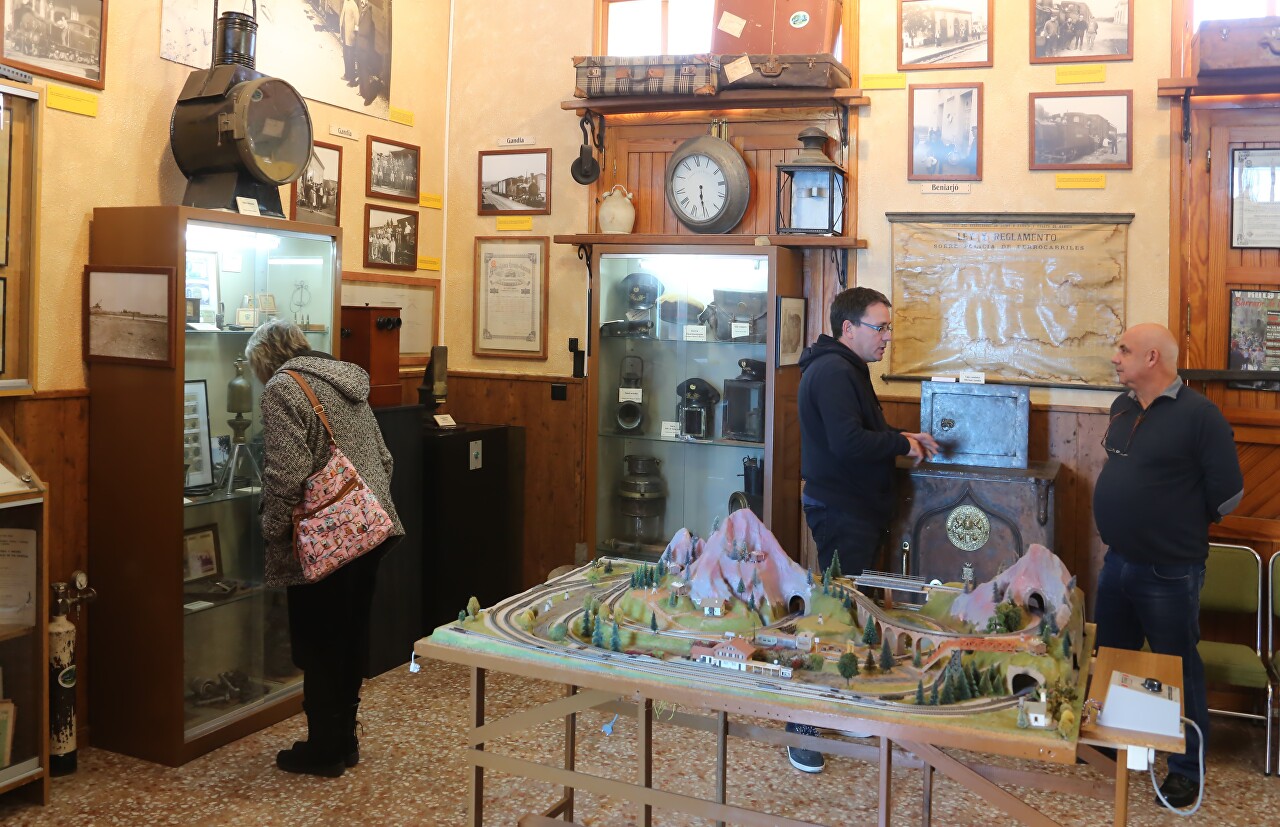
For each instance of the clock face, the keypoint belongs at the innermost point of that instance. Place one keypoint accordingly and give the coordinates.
(708, 185)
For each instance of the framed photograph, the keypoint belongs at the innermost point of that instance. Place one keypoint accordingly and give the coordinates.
(392, 170)
(514, 181)
(944, 132)
(202, 282)
(317, 196)
(1255, 198)
(418, 299)
(246, 317)
(267, 302)
(201, 554)
(791, 338)
(391, 238)
(510, 311)
(196, 456)
(1081, 31)
(65, 41)
(193, 309)
(945, 34)
(129, 315)
(1081, 130)
(1255, 316)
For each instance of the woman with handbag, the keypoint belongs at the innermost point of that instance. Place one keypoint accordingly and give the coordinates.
(327, 520)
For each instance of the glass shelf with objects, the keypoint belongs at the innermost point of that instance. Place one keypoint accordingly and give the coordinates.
(680, 386)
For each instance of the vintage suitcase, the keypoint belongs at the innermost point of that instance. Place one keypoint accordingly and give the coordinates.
(1244, 47)
(774, 71)
(776, 26)
(605, 76)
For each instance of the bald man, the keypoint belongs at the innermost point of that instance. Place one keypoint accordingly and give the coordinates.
(1171, 470)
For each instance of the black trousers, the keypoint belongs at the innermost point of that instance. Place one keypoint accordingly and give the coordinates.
(329, 634)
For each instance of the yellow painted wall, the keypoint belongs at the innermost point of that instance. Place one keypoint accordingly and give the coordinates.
(122, 158)
(1007, 185)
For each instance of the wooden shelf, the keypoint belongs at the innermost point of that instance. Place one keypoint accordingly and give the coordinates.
(729, 99)
(796, 241)
(1202, 87)
(9, 631)
(1211, 375)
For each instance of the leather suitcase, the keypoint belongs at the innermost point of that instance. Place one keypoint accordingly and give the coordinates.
(773, 27)
(605, 76)
(790, 71)
(1245, 47)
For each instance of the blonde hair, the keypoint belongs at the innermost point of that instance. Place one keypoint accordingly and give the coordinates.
(272, 344)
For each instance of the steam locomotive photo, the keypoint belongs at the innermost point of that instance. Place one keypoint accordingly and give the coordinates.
(1061, 139)
(1071, 130)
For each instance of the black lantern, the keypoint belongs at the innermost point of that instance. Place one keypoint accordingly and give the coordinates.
(811, 190)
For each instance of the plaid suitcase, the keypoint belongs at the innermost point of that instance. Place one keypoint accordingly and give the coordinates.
(789, 71)
(602, 77)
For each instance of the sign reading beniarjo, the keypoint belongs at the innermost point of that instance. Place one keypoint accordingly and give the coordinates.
(946, 188)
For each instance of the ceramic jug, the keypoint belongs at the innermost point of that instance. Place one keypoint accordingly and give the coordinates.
(617, 212)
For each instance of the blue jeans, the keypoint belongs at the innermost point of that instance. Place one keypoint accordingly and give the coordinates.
(836, 531)
(1161, 604)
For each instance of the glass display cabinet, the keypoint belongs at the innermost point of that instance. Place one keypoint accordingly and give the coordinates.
(688, 403)
(191, 650)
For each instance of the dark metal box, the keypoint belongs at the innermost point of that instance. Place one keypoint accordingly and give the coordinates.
(983, 425)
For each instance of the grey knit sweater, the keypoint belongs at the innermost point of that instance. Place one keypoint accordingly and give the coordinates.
(296, 446)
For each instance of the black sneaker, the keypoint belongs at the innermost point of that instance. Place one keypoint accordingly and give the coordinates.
(805, 760)
(1179, 791)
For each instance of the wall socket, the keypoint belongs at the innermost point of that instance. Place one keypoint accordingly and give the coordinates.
(474, 455)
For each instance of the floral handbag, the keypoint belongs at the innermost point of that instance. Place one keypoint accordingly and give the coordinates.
(339, 518)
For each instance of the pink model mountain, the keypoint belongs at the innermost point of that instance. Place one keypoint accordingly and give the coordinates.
(1038, 581)
(742, 551)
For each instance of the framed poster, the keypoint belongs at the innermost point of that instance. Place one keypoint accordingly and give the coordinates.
(510, 311)
(1081, 31)
(129, 315)
(391, 238)
(944, 132)
(65, 41)
(945, 34)
(418, 299)
(196, 456)
(1255, 198)
(514, 181)
(392, 170)
(317, 195)
(1081, 130)
(791, 338)
(1255, 337)
(201, 553)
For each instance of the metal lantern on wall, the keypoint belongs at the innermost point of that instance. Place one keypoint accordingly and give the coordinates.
(810, 191)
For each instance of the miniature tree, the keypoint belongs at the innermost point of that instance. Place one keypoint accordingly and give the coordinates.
(1023, 722)
(971, 675)
(869, 636)
(586, 624)
(871, 663)
(1052, 620)
(847, 666)
(816, 662)
(558, 632)
(933, 694)
(886, 656)
(1066, 722)
(608, 567)
(473, 606)
(597, 636)
(835, 566)
(462, 615)
(742, 587)
(751, 602)
(920, 692)
(984, 684)
(961, 689)
(653, 621)
(755, 579)
(662, 569)
(675, 598)
(1046, 634)
(996, 597)
(809, 577)
(948, 695)
(1066, 645)
(916, 660)
(848, 601)
(826, 581)
(615, 643)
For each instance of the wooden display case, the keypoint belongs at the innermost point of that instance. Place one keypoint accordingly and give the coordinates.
(191, 650)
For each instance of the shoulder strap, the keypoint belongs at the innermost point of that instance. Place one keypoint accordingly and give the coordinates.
(315, 403)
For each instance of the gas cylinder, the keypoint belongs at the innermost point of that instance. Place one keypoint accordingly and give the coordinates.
(62, 673)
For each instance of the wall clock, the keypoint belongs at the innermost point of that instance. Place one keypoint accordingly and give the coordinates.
(708, 185)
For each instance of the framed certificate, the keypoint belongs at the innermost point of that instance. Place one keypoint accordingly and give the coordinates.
(510, 306)
(1255, 198)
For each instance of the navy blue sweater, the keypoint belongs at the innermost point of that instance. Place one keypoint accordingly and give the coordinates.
(1176, 473)
(846, 446)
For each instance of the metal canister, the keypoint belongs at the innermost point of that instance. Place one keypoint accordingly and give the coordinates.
(642, 499)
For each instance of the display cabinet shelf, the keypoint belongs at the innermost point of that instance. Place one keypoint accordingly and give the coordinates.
(791, 241)
(12, 632)
(219, 600)
(711, 443)
(204, 500)
(788, 98)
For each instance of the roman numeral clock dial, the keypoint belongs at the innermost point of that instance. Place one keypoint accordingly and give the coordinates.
(708, 186)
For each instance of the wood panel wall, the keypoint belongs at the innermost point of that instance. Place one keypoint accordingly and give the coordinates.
(555, 434)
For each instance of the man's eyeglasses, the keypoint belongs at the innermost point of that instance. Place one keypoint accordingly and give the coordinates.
(1121, 452)
(878, 328)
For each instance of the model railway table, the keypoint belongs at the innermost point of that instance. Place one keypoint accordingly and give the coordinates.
(616, 682)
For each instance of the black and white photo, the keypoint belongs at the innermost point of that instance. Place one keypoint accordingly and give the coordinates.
(317, 196)
(1075, 31)
(944, 34)
(128, 315)
(515, 181)
(391, 170)
(945, 132)
(65, 40)
(1081, 130)
(333, 51)
(391, 238)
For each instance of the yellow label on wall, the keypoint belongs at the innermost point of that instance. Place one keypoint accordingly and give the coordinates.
(397, 115)
(515, 222)
(430, 199)
(1081, 181)
(892, 80)
(428, 263)
(1081, 73)
(71, 100)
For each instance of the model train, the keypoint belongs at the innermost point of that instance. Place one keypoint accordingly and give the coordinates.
(1061, 139)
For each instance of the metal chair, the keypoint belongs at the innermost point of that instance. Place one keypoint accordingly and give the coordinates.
(1233, 584)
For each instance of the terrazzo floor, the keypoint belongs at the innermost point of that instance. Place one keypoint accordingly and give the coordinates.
(411, 773)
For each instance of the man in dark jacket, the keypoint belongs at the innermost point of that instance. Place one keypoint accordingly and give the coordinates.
(847, 449)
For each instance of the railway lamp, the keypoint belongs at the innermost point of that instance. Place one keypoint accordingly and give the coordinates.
(810, 190)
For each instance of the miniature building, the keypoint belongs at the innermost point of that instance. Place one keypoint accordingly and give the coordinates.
(713, 606)
(802, 641)
(735, 654)
(1038, 714)
(679, 588)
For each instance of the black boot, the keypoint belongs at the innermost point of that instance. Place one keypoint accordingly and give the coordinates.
(350, 743)
(322, 753)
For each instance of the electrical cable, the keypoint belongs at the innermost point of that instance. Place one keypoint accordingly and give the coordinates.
(1199, 794)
